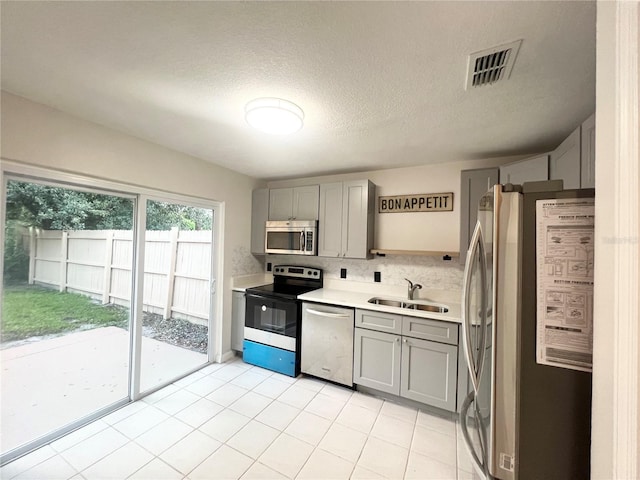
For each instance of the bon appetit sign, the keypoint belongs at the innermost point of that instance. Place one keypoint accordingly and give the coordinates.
(425, 202)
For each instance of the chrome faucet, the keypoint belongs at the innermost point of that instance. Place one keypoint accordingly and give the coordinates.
(411, 288)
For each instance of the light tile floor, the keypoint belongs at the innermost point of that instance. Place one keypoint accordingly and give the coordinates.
(234, 420)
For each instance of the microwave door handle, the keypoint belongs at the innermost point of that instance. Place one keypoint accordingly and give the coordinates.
(302, 242)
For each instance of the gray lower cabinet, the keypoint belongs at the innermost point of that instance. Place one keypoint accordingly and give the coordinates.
(376, 360)
(408, 363)
(238, 307)
(429, 372)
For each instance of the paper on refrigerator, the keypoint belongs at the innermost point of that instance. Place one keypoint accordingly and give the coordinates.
(564, 283)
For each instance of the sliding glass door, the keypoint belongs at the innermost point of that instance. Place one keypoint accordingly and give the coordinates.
(65, 330)
(177, 291)
(106, 296)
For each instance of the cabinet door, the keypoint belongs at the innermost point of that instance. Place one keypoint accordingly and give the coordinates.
(565, 161)
(588, 153)
(237, 320)
(533, 169)
(259, 215)
(429, 373)
(473, 185)
(428, 329)
(330, 223)
(380, 321)
(305, 203)
(355, 220)
(376, 361)
(280, 204)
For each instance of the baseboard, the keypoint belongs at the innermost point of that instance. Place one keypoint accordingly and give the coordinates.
(227, 356)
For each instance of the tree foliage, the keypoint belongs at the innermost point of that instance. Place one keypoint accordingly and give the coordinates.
(58, 208)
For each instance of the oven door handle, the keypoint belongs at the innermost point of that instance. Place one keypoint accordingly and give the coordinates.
(327, 314)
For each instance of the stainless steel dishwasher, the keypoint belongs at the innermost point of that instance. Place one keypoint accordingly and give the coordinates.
(327, 342)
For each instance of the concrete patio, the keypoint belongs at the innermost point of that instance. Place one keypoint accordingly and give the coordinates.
(47, 384)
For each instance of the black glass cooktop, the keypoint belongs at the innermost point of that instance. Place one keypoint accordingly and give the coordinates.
(282, 291)
(289, 282)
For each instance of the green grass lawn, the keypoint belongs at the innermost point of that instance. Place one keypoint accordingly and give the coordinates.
(29, 310)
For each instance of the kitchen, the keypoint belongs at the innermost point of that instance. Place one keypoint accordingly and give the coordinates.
(47, 144)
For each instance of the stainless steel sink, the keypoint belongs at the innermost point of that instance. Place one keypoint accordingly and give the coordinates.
(425, 307)
(387, 302)
(428, 308)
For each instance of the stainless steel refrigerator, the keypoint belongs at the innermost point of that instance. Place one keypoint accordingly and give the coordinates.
(521, 419)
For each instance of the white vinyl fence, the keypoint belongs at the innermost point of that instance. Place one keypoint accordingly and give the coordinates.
(98, 263)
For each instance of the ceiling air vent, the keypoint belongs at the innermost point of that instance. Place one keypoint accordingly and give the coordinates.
(491, 65)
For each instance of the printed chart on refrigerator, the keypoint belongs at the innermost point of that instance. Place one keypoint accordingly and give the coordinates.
(564, 283)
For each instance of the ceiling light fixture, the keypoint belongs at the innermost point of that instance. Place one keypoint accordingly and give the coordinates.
(274, 115)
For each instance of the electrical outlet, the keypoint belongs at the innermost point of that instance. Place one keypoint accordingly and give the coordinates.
(268, 266)
(376, 277)
(343, 273)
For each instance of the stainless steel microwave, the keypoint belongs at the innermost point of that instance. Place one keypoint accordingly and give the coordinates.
(291, 237)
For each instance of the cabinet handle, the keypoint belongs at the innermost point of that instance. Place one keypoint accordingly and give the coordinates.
(397, 339)
(264, 308)
(405, 340)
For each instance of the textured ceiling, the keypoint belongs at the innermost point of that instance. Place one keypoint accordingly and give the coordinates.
(382, 84)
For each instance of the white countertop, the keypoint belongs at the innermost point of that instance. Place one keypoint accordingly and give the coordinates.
(241, 283)
(358, 299)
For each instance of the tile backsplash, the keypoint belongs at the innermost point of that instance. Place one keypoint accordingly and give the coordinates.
(432, 272)
(244, 263)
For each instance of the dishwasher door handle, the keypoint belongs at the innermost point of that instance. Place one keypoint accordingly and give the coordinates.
(328, 314)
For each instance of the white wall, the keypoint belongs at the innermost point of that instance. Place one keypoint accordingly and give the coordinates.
(615, 433)
(36, 134)
(437, 231)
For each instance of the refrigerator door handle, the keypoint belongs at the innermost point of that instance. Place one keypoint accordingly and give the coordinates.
(474, 366)
(484, 307)
(467, 436)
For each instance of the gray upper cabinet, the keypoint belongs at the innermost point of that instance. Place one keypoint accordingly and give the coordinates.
(296, 203)
(259, 215)
(330, 223)
(280, 203)
(473, 184)
(588, 153)
(346, 224)
(532, 169)
(574, 161)
(565, 161)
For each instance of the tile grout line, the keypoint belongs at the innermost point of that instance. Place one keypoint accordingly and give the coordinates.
(271, 400)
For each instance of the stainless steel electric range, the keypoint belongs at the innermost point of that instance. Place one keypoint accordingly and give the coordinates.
(273, 318)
